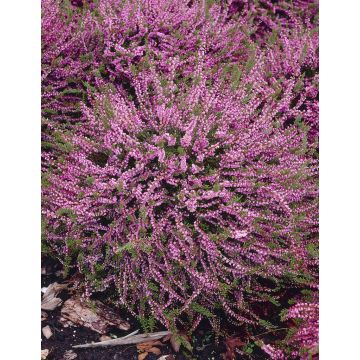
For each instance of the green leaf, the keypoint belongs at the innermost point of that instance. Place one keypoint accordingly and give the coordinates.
(201, 310)
(66, 212)
(267, 324)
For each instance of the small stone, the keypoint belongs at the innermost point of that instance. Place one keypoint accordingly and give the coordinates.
(44, 354)
(44, 315)
(47, 332)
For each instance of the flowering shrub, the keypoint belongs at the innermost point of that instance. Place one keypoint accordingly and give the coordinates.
(168, 187)
(185, 175)
(108, 40)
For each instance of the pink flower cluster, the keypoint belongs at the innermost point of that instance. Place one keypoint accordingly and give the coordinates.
(307, 336)
(274, 354)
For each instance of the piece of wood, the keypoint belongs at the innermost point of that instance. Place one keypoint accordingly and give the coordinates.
(131, 334)
(50, 301)
(95, 316)
(126, 340)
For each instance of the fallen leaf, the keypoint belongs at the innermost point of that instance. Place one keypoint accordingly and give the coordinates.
(95, 316)
(141, 347)
(149, 344)
(142, 356)
(47, 332)
(231, 344)
(105, 338)
(69, 355)
(155, 350)
(154, 342)
(44, 354)
(50, 301)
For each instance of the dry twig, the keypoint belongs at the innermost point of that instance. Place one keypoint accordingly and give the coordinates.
(128, 339)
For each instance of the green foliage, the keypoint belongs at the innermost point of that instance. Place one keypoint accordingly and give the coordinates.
(313, 250)
(73, 246)
(154, 287)
(250, 63)
(45, 182)
(67, 266)
(283, 314)
(67, 213)
(201, 310)
(266, 324)
(273, 38)
(89, 180)
(249, 348)
(147, 323)
(128, 247)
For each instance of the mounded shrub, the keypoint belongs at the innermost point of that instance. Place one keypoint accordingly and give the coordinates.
(193, 196)
(187, 181)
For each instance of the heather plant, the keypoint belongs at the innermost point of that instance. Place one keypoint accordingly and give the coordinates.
(193, 199)
(180, 159)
